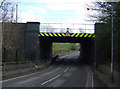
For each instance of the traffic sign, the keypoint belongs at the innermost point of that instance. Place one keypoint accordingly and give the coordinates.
(67, 34)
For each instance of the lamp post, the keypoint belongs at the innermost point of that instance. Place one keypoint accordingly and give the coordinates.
(112, 45)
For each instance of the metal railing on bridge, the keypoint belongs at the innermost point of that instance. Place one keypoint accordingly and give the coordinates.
(63, 27)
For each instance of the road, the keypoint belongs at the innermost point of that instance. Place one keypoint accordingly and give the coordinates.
(66, 73)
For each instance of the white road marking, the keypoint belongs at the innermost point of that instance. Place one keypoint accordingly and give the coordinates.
(50, 79)
(66, 69)
(92, 81)
(91, 78)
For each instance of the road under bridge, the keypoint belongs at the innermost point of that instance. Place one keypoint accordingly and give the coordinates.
(87, 44)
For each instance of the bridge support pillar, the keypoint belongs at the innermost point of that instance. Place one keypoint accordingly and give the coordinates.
(32, 41)
(87, 52)
(45, 49)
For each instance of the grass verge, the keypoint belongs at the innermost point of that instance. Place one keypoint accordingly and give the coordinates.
(61, 48)
(106, 70)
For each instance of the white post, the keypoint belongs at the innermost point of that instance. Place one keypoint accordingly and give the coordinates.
(16, 13)
(1, 54)
(112, 45)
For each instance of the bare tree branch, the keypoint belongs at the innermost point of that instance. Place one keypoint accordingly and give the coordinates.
(7, 11)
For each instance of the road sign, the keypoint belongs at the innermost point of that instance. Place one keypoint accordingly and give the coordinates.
(67, 34)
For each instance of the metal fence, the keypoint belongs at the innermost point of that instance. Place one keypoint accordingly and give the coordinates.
(18, 68)
(62, 27)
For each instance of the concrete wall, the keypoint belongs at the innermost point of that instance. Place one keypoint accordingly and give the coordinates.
(32, 41)
(99, 26)
(87, 52)
(45, 49)
(98, 46)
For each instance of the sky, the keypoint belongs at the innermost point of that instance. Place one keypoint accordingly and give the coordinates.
(53, 11)
(56, 11)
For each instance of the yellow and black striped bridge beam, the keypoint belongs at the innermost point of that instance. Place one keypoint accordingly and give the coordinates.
(64, 35)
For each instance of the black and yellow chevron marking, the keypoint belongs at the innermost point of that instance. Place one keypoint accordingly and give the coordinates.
(63, 35)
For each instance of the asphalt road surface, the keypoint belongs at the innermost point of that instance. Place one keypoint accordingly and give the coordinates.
(66, 73)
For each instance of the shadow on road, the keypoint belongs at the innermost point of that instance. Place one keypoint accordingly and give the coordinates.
(69, 61)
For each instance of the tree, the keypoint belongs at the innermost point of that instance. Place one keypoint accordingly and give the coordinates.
(104, 15)
(104, 11)
(9, 36)
(7, 10)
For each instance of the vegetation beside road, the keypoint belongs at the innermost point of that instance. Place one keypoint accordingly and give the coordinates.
(104, 37)
(106, 70)
(104, 33)
(62, 48)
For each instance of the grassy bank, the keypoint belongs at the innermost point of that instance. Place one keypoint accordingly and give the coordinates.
(60, 48)
(106, 70)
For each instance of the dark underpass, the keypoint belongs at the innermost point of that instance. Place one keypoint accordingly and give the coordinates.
(87, 48)
(43, 47)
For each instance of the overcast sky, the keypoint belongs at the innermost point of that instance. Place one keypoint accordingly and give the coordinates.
(57, 11)
(54, 11)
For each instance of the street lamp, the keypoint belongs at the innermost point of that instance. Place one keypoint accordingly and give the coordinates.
(112, 45)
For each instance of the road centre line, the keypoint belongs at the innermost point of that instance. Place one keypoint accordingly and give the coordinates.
(92, 80)
(66, 69)
(50, 79)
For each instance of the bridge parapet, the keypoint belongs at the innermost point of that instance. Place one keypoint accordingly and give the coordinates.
(63, 27)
